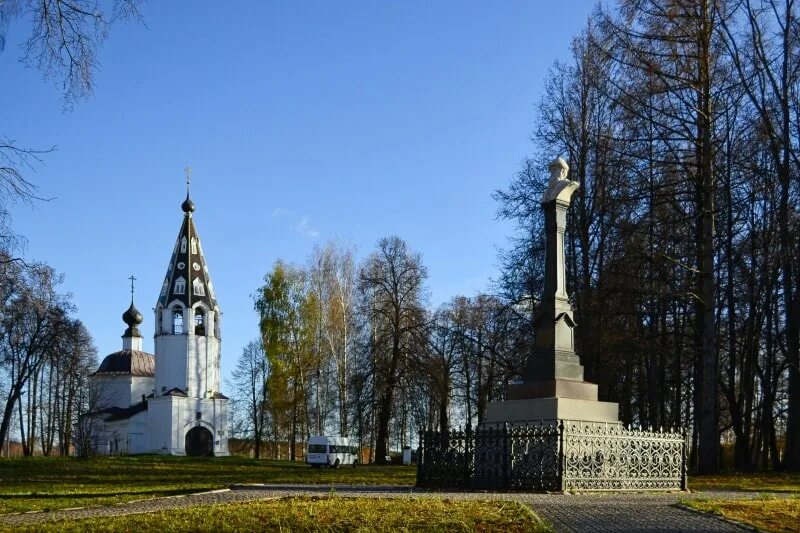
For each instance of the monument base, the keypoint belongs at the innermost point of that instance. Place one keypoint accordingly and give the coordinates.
(536, 410)
(554, 388)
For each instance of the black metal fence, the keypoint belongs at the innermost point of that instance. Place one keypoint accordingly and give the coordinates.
(562, 456)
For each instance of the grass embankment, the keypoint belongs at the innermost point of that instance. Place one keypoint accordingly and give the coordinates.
(47, 483)
(322, 514)
(779, 513)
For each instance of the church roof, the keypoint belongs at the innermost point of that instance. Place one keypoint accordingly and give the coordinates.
(124, 413)
(187, 278)
(128, 363)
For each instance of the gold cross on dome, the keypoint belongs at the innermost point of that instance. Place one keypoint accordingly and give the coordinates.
(132, 280)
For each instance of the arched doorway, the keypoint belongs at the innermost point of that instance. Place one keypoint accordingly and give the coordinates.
(199, 442)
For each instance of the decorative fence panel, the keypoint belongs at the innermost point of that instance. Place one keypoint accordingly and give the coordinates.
(569, 456)
(534, 459)
(615, 458)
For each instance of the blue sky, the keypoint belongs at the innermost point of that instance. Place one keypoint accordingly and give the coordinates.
(303, 122)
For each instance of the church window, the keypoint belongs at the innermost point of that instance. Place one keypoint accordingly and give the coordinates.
(199, 322)
(198, 415)
(196, 267)
(194, 245)
(181, 265)
(165, 287)
(183, 244)
(197, 287)
(180, 286)
(177, 320)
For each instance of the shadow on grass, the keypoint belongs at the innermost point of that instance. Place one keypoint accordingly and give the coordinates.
(77, 495)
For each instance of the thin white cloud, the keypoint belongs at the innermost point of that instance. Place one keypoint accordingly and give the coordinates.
(281, 212)
(303, 228)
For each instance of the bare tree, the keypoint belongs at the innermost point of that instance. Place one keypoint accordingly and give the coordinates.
(763, 51)
(89, 428)
(250, 381)
(393, 277)
(332, 272)
(31, 319)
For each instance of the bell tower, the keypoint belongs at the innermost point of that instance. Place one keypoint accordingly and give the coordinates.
(188, 412)
(187, 337)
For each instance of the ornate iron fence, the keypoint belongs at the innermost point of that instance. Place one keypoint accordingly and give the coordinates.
(568, 456)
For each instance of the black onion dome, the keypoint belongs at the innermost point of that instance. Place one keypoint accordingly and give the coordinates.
(187, 205)
(132, 316)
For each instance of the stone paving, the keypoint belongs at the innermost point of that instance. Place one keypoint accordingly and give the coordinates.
(584, 512)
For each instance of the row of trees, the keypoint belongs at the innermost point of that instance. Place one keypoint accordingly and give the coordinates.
(680, 121)
(46, 356)
(354, 350)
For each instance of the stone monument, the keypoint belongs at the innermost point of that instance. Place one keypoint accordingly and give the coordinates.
(552, 433)
(553, 387)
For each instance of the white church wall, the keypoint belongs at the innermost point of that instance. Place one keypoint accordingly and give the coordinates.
(170, 363)
(141, 386)
(170, 418)
(116, 437)
(159, 425)
(213, 415)
(221, 435)
(113, 391)
(136, 431)
(203, 366)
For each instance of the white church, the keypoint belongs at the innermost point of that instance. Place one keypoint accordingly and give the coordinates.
(168, 402)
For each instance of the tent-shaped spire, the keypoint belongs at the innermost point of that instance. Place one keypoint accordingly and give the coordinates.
(187, 278)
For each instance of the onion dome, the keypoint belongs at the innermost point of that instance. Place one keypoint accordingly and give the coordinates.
(128, 363)
(187, 205)
(132, 317)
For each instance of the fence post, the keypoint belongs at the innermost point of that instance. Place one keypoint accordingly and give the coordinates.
(421, 459)
(506, 464)
(562, 460)
(684, 462)
(467, 455)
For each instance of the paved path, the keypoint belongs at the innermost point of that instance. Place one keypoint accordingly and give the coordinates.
(585, 512)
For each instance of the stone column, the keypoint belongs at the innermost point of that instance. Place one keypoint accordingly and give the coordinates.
(554, 347)
(555, 370)
(553, 388)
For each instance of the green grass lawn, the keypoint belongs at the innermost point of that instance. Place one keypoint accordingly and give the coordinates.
(777, 515)
(47, 483)
(322, 514)
(755, 482)
(767, 513)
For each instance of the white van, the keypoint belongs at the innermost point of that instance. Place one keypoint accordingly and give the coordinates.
(331, 451)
